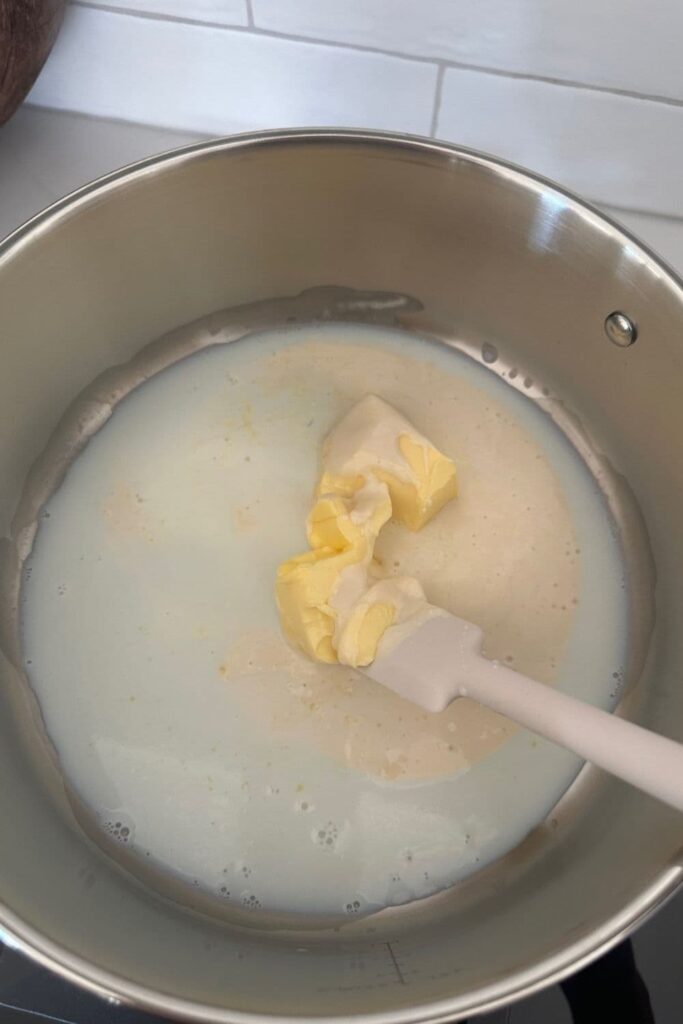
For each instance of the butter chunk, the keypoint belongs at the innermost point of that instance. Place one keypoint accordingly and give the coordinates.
(375, 439)
(342, 534)
(375, 466)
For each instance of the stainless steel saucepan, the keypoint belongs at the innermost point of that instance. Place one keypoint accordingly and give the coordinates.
(346, 225)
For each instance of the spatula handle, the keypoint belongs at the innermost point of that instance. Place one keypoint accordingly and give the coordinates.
(646, 760)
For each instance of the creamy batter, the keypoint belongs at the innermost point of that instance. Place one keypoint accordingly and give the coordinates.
(188, 725)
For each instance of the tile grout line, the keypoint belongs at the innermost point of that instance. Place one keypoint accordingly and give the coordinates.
(252, 30)
(250, 14)
(655, 214)
(482, 69)
(438, 95)
(173, 19)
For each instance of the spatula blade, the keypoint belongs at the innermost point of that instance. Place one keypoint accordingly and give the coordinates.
(430, 664)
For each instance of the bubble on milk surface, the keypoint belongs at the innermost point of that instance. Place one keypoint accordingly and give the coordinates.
(251, 901)
(119, 827)
(326, 836)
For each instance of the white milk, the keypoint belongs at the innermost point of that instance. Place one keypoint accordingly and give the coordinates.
(183, 720)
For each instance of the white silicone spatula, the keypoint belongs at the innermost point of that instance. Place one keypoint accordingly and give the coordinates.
(442, 660)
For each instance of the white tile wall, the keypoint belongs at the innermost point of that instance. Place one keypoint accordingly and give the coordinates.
(589, 92)
(216, 80)
(615, 149)
(216, 12)
(624, 44)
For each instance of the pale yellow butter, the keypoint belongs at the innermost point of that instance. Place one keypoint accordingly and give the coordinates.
(376, 465)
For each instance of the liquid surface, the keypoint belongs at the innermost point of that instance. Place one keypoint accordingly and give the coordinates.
(198, 737)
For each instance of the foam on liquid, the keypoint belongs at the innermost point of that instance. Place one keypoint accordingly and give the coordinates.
(181, 717)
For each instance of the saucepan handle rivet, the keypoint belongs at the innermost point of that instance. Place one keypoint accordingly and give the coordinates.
(620, 329)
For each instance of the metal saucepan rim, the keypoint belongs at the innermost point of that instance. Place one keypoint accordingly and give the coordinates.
(17, 933)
